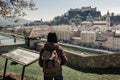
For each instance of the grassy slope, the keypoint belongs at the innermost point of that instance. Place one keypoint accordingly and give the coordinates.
(69, 74)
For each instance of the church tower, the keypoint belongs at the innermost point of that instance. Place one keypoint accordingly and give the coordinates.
(108, 19)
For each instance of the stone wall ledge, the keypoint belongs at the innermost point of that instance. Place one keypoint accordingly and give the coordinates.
(106, 60)
(95, 61)
(80, 60)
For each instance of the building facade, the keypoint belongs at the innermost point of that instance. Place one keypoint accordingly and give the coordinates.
(116, 41)
(110, 37)
(88, 37)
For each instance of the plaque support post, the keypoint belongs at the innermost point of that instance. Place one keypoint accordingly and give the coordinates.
(5, 69)
(23, 71)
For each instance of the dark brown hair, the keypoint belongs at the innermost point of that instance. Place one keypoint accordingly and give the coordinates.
(52, 37)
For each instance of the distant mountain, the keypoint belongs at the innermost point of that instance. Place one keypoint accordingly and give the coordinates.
(12, 21)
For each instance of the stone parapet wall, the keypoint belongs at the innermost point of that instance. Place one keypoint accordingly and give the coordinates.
(108, 60)
(98, 61)
(80, 60)
(5, 49)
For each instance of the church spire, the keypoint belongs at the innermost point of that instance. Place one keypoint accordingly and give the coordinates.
(108, 19)
(108, 13)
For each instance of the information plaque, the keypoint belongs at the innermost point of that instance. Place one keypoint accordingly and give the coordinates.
(22, 56)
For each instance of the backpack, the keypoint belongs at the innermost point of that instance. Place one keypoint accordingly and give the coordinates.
(51, 62)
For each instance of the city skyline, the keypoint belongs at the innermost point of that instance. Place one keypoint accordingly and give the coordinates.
(48, 9)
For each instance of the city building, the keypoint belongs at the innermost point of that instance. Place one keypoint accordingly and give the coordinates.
(110, 37)
(37, 23)
(92, 23)
(101, 38)
(33, 35)
(88, 37)
(116, 41)
(64, 32)
(75, 40)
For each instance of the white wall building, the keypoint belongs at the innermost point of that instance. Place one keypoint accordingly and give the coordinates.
(88, 37)
(116, 41)
(64, 32)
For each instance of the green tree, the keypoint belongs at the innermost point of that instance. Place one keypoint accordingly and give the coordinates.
(59, 20)
(76, 20)
(13, 8)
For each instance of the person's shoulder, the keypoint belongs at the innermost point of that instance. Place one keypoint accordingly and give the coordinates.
(42, 47)
(60, 48)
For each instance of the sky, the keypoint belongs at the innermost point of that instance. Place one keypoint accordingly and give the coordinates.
(48, 9)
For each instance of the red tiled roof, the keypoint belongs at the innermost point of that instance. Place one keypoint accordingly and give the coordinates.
(37, 32)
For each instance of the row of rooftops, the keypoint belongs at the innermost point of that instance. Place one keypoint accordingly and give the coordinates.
(114, 33)
(94, 22)
(38, 31)
(102, 36)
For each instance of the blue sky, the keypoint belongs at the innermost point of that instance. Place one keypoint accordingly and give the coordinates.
(48, 9)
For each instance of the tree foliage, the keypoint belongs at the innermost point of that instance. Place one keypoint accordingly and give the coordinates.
(60, 20)
(76, 20)
(13, 8)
